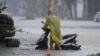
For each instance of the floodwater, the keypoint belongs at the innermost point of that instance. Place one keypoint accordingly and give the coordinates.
(88, 38)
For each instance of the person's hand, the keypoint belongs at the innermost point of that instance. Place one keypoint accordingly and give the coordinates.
(43, 29)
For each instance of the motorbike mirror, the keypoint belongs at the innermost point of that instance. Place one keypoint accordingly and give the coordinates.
(42, 22)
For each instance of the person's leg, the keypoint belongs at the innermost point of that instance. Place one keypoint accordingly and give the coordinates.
(58, 46)
(51, 45)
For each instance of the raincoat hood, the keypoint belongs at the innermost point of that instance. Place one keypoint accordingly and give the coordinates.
(50, 12)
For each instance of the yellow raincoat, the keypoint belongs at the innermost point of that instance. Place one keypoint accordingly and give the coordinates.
(53, 23)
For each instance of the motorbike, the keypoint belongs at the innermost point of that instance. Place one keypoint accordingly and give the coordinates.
(69, 42)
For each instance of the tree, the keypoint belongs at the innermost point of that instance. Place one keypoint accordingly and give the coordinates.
(30, 9)
(85, 9)
(71, 8)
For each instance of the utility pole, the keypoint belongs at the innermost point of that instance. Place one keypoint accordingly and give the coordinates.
(52, 4)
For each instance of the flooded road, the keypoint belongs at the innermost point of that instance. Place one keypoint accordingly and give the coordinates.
(88, 38)
(89, 44)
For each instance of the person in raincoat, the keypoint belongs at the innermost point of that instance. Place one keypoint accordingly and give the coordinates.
(53, 23)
